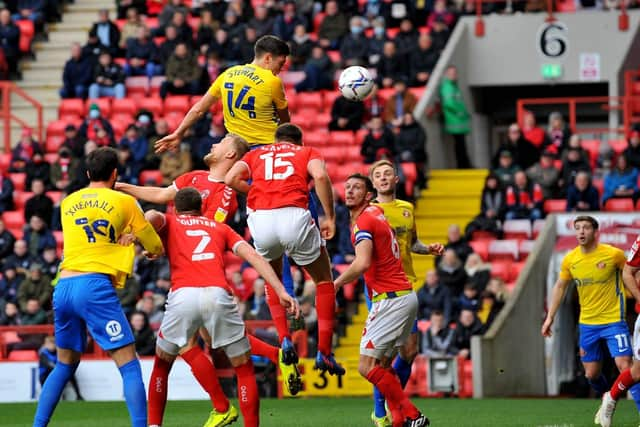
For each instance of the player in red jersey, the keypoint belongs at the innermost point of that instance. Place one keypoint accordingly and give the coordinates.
(394, 304)
(201, 297)
(281, 224)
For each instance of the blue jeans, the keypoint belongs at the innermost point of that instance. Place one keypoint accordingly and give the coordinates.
(77, 91)
(150, 69)
(99, 91)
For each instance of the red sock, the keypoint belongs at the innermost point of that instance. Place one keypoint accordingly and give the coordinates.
(278, 314)
(391, 388)
(621, 384)
(158, 386)
(248, 396)
(261, 348)
(205, 373)
(326, 307)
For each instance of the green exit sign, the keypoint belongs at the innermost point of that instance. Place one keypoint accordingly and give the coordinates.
(551, 71)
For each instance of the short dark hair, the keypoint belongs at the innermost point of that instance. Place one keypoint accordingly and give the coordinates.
(367, 182)
(290, 133)
(587, 218)
(101, 163)
(271, 44)
(188, 200)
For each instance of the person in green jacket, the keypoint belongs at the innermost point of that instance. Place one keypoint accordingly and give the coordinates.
(456, 115)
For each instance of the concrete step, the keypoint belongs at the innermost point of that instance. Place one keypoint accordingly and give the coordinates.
(51, 63)
(82, 24)
(31, 84)
(45, 77)
(68, 37)
(88, 7)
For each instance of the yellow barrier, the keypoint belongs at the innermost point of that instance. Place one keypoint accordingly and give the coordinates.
(316, 384)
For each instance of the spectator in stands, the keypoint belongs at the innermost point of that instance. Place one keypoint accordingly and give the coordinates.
(546, 175)
(183, 30)
(7, 239)
(467, 326)
(458, 243)
(73, 141)
(346, 114)
(524, 153)
(571, 165)
(168, 46)
(411, 145)
(224, 48)
(621, 182)
(440, 12)
(108, 79)
(373, 104)
(439, 339)
(145, 339)
(524, 199)
(379, 143)
(354, 47)
(161, 129)
(558, 133)
(301, 47)
(38, 168)
(10, 315)
(127, 169)
(33, 10)
(376, 42)
(173, 164)
(6, 192)
(92, 50)
(582, 196)
(39, 204)
(497, 287)
(77, 74)
(33, 314)
(632, 152)
(422, 61)
(456, 116)
(138, 145)
(318, 72)
(9, 40)
(506, 169)
(107, 31)
(333, 28)
(20, 260)
(576, 143)
(131, 27)
(469, 299)
(402, 101)
(9, 284)
(407, 38)
(478, 272)
(183, 73)
(143, 57)
(206, 30)
(390, 68)
(36, 286)
(50, 261)
(286, 22)
(168, 12)
(81, 180)
(235, 29)
(451, 272)
(217, 7)
(63, 171)
(433, 296)
(38, 236)
(23, 152)
(440, 34)
(261, 21)
(492, 207)
(96, 128)
(246, 43)
(531, 131)
(489, 308)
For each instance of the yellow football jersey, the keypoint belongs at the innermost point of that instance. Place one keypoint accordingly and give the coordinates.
(92, 221)
(250, 96)
(598, 278)
(400, 216)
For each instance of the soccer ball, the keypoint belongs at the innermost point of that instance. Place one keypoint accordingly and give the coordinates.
(355, 83)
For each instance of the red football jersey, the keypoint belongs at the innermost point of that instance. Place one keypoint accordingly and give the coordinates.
(279, 175)
(385, 273)
(633, 259)
(195, 246)
(218, 200)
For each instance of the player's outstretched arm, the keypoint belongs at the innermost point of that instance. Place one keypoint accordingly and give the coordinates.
(197, 111)
(630, 282)
(417, 247)
(142, 229)
(318, 171)
(158, 195)
(362, 261)
(238, 177)
(246, 252)
(556, 298)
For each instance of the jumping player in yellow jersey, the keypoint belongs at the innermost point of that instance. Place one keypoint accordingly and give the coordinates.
(596, 269)
(252, 96)
(93, 220)
(399, 214)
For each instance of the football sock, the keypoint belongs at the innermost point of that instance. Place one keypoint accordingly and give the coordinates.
(326, 308)
(600, 384)
(204, 371)
(51, 392)
(389, 385)
(158, 386)
(248, 396)
(621, 384)
(287, 278)
(261, 348)
(403, 370)
(278, 314)
(134, 393)
(378, 403)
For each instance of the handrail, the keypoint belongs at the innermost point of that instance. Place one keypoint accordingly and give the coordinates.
(6, 114)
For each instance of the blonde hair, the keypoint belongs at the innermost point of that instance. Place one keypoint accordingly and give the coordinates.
(239, 144)
(380, 163)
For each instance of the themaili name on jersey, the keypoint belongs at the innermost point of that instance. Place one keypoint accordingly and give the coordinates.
(94, 203)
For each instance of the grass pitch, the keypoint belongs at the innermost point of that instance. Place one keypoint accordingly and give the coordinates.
(344, 412)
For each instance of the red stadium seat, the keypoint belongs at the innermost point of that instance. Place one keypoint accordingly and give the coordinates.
(417, 91)
(342, 138)
(619, 205)
(20, 198)
(503, 249)
(334, 154)
(410, 171)
(339, 187)
(154, 85)
(392, 32)
(27, 31)
(177, 104)
(329, 97)
(56, 128)
(517, 229)
(53, 143)
(5, 160)
(58, 236)
(119, 128)
(310, 100)
(23, 356)
(516, 268)
(123, 106)
(538, 225)
(555, 205)
(386, 93)
(19, 180)
(360, 136)
(154, 175)
(592, 146)
(13, 219)
(249, 275)
(501, 269)
(618, 145)
(103, 103)
(316, 139)
(317, 21)
(56, 196)
(74, 106)
(525, 248)
(123, 119)
(137, 84)
(193, 22)
(321, 120)
(121, 22)
(599, 184)
(334, 55)
(352, 154)
(481, 247)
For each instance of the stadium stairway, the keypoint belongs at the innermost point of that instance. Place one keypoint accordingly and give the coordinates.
(42, 76)
(453, 197)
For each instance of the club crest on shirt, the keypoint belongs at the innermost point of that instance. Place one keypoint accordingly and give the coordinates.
(601, 265)
(204, 194)
(406, 213)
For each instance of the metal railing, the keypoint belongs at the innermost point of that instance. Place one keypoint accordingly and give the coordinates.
(7, 116)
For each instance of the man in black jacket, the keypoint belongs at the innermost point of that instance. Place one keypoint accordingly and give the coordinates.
(107, 32)
(77, 74)
(9, 40)
(422, 61)
(434, 296)
(346, 115)
(108, 79)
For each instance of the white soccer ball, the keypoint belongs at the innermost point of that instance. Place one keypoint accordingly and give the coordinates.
(355, 83)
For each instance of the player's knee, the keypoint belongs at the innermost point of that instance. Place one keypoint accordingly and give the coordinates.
(635, 371)
(365, 366)
(240, 360)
